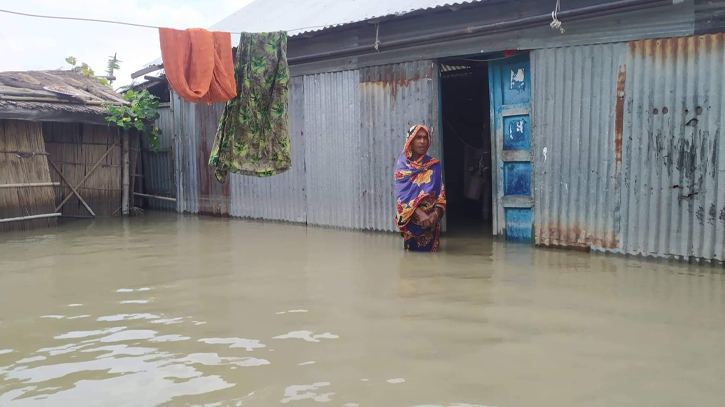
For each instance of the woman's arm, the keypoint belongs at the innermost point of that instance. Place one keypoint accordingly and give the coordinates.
(436, 216)
(423, 217)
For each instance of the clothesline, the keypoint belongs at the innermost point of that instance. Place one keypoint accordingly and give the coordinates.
(93, 20)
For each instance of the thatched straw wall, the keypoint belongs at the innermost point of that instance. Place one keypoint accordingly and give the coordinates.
(75, 148)
(18, 140)
(65, 112)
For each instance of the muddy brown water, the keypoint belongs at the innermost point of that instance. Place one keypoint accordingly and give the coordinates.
(191, 311)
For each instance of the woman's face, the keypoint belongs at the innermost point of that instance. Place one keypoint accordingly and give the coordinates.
(420, 143)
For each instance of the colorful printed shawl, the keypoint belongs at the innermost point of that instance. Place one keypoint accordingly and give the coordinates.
(252, 137)
(418, 184)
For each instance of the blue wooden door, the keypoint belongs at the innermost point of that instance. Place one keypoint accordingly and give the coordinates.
(510, 94)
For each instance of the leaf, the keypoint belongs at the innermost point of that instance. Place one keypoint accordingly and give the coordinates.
(140, 115)
(71, 60)
(112, 65)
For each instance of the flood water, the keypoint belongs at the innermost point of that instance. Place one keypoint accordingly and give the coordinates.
(187, 311)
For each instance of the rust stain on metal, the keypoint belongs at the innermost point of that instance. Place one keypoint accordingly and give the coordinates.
(574, 238)
(395, 77)
(395, 73)
(394, 85)
(202, 167)
(214, 198)
(619, 115)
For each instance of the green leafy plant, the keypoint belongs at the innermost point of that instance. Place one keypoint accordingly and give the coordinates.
(113, 64)
(140, 115)
(85, 70)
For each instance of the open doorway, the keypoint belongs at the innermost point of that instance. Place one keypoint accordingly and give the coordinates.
(466, 131)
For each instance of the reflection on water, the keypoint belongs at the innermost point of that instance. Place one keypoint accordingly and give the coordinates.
(167, 310)
(248, 344)
(306, 336)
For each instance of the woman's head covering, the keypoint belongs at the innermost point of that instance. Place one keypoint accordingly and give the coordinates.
(411, 135)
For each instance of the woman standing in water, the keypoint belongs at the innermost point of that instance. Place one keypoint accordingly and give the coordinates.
(419, 191)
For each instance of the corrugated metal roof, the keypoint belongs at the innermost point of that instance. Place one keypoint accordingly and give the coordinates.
(301, 16)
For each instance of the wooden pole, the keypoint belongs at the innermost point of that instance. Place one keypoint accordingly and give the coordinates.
(80, 198)
(23, 153)
(37, 184)
(46, 215)
(126, 175)
(143, 186)
(132, 177)
(163, 198)
(88, 174)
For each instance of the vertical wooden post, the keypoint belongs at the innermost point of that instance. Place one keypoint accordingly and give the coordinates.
(125, 199)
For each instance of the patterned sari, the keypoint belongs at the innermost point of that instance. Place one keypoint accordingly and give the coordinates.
(418, 184)
(252, 137)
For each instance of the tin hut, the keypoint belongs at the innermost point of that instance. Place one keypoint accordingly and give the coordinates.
(595, 126)
(58, 156)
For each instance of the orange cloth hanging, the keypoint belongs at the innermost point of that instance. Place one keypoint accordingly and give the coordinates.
(198, 64)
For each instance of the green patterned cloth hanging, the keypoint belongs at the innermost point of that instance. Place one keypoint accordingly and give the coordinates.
(252, 137)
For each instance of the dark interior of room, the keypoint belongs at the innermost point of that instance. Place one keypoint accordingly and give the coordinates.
(466, 144)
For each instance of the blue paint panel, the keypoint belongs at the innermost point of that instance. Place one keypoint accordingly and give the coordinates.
(516, 133)
(510, 85)
(516, 80)
(518, 225)
(517, 178)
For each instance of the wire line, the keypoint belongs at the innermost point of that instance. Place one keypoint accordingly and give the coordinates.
(93, 20)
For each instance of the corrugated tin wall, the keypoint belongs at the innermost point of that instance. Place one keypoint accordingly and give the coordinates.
(356, 123)
(573, 93)
(332, 122)
(673, 154)
(628, 147)
(281, 197)
(394, 98)
(159, 174)
(347, 129)
(186, 151)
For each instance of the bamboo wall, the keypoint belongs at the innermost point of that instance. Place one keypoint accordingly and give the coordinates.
(75, 148)
(18, 140)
